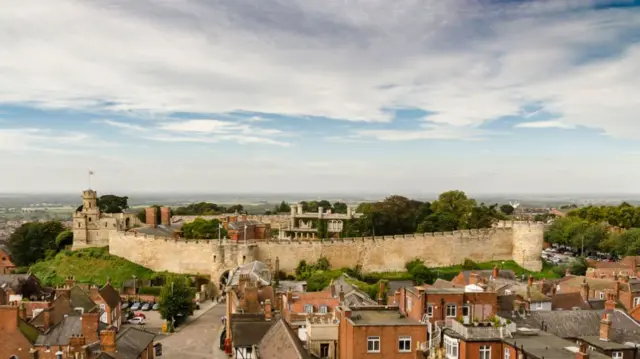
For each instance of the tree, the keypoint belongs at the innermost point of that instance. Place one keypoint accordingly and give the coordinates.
(507, 209)
(34, 241)
(64, 239)
(579, 266)
(483, 216)
(176, 299)
(457, 204)
(235, 208)
(339, 207)
(200, 209)
(110, 203)
(203, 229)
(283, 207)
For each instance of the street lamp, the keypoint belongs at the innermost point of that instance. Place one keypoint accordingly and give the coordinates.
(135, 294)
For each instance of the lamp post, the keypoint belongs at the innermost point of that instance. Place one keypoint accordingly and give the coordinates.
(135, 293)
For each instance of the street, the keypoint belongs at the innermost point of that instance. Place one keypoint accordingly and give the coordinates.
(200, 339)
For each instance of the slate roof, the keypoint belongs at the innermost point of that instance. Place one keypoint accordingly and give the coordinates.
(568, 301)
(534, 292)
(281, 342)
(578, 323)
(258, 271)
(131, 342)
(80, 299)
(249, 329)
(544, 345)
(394, 285)
(239, 225)
(60, 333)
(59, 308)
(486, 273)
(110, 295)
(160, 230)
(353, 297)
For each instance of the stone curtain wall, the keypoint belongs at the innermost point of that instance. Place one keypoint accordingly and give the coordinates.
(388, 253)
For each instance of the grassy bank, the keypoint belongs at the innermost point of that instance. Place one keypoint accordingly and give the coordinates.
(90, 265)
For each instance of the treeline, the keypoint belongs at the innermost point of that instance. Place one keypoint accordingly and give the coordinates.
(610, 229)
(452, 211)
(36, 241)
(204, 229)
(207, 209)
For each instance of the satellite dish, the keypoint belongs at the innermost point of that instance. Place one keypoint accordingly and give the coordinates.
(515, 204)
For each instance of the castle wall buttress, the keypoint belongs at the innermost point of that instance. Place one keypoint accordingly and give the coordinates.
(528, 240)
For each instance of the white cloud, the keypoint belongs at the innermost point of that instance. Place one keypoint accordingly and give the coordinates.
(30, 140)
(122, 125)
(467, 63)
(544, 124)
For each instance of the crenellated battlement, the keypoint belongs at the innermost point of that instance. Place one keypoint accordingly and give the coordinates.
(519, 241)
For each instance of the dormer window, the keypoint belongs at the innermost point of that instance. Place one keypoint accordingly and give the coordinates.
(308, 308)
(324, 309)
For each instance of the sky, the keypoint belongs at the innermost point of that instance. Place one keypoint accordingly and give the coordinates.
(334, 96)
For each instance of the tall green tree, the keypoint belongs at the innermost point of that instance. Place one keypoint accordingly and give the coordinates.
(110, 203)
(203, 229)
(507, 209)
(457, 204)
(34, 241)
(235, 208)
(64, 239)
(176, 299)
(339, 207)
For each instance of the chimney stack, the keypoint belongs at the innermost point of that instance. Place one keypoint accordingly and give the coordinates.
(289, 296)
(530, 281)
(605, 328)
(90, 326)
(380, 293)
(582, 351)
(584, 290)
(23, 311)
(267, 309)
(165, 216)
(108, 340)
(333, 289)
(277, 271)
(9, 317)
(46, 318)
(474, 278)
(152, 220)
(496, 272)
(70, 282)
(610, 303)
(341, 294)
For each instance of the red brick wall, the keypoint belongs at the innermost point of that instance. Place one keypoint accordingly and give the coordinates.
(471, 350)
(12, 341)
(6, 265)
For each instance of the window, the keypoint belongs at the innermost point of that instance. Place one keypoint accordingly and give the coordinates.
(323, 309)
(616, 355)
(539, 305)
(636, 300)
(404, 344)
(485, 352)
(451, 347)
(507, 353)
(324, 350)
(601, 295)
(308, 308)
(429, 310)
(451, 310)
(373, 344)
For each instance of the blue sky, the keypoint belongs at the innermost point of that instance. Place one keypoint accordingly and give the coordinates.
(320, 96)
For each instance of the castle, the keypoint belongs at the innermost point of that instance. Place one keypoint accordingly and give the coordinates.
(92, 228)
(518, 241)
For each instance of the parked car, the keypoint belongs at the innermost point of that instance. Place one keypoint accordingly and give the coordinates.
(146, 307)
(125, 305)
(135, 306)
(155, 306)
(139, 315)
(136, 320)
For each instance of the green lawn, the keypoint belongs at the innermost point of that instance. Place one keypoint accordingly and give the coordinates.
(90, 265)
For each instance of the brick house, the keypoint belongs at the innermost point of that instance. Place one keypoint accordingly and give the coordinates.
(63, 336)
(437, 304)
(236, 227)
(17, 336)
(108, 299)
(378, 332)
(625, 290)
(298, 306)
(6, 265)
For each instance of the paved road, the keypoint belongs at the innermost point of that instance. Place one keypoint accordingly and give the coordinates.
(198, 340)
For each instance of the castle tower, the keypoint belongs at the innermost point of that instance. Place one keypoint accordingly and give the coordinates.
(86, 221)
(528, 239)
